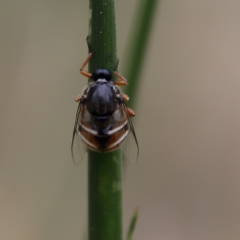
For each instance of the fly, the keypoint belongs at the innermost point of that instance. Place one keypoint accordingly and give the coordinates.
(103, 121)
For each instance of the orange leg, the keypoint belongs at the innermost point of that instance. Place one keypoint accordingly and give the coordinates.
(78, 98)
(122, 81)
(85, 73)
(131, 112)
(125, 96)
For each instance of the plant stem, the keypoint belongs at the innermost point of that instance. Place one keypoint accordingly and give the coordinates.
(105, 196)
(102, 35)
(104, 169)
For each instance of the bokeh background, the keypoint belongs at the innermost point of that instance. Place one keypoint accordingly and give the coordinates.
(186, 182)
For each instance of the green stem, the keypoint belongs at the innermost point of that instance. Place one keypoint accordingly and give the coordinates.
(104, 169)
(105, 196)
(102, 35)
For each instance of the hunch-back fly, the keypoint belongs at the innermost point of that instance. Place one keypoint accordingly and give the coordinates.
(103, 121)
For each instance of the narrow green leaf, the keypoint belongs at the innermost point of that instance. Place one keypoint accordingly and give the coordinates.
(132, 225)
(137, 46)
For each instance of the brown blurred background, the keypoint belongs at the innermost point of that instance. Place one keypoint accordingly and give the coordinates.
(186, 182)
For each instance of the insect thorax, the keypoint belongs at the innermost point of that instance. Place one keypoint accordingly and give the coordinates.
(102, 98)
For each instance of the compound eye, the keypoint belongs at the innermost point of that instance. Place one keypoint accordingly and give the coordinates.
(107, 74)
(101, 73)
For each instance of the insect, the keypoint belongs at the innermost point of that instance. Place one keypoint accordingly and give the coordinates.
(103, 121)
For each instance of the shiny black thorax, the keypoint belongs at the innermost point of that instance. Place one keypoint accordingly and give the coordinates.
(101, 100)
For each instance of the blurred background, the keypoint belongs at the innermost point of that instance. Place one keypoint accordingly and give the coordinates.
(186, 181)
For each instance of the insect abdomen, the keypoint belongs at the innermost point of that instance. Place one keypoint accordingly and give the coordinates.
(104, 142)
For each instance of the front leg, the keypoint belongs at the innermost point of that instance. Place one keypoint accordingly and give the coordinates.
(122, 81)
(83, 72)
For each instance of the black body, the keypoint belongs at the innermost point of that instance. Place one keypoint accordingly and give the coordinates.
(101, 100)
(102, 120)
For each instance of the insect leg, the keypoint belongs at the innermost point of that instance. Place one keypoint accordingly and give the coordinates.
(122, 81)
(124, 96)
(130, 112)
(78, 98)
(83, 72)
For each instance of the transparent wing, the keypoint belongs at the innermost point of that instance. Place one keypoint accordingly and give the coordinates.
(78, 148)
(130, 147)
(122, 134)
